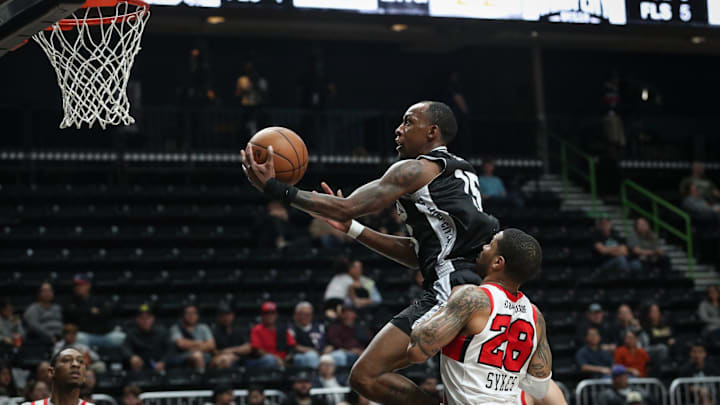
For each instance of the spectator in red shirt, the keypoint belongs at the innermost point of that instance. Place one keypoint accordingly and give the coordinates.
(348, 339)
(269, 348)
(631, 356)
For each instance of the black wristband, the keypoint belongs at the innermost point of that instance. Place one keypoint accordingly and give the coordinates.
(278, 190)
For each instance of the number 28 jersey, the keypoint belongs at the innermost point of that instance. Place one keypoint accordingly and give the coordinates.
(486, 368)
(446, 219)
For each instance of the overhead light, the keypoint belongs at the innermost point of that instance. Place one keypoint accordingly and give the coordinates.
(215, 19)
(645, 94)
(399, 27)
(697, 40)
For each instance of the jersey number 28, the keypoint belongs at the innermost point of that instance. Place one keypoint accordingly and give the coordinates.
(472, 187)
(519, 338)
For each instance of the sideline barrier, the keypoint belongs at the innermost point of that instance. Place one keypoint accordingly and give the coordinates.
(588, 391)
(695, 391)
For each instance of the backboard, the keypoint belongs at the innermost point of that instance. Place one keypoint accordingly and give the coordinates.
(20, 19)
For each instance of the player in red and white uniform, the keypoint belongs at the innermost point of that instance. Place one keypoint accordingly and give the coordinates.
(67, 371)
(492, 337)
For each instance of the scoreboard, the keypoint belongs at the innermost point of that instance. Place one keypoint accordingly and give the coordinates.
(612, 12)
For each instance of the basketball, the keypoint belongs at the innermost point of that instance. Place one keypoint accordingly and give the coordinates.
(291, 155)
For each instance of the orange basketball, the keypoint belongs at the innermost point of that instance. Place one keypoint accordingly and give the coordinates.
(291, 155)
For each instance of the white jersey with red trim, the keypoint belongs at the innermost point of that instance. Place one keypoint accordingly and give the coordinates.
(486, 368)
(47, 401)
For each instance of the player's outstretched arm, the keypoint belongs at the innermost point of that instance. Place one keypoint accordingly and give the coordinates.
(537, 381)
(428, 338)
(406, 176)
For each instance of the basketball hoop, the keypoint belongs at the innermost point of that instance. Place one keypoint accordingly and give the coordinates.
(92, 52)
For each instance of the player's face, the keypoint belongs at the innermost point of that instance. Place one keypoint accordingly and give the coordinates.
(411, 134)
(69, 368)
(486, 256)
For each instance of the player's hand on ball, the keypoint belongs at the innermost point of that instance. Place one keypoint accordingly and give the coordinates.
(257, 173)
(340, 226)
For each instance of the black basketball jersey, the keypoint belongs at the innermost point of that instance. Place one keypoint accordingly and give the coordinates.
(446, 219)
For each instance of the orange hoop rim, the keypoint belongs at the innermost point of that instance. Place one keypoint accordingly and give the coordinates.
(70, 23)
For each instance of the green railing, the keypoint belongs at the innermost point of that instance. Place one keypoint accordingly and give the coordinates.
(656, 219)
(586, 173)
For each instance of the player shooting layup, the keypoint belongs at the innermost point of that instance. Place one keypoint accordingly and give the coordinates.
(437, 195)
(492, 337)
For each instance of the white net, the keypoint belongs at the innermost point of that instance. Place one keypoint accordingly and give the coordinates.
(92, 52)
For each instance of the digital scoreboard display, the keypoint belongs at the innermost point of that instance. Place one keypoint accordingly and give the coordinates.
(612, 12)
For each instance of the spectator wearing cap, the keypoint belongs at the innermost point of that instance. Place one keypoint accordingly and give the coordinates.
(270, 347)
(591, 359)
(192, 341)
(44, 319)
(91, 316)
(595, 318)
(70, 339)
(231, 341)
(309, 336)
(634, 358)
(256, 396)
(223, 395)
(146, 342)
(611, 250)
(697, 366)
(326, 379)
(300, 394)
(347, 338)
(617, 394)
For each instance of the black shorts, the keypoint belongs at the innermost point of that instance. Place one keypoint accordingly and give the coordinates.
(428, 304)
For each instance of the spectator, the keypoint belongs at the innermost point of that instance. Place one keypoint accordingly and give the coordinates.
(634, 398)
(631, 356)
(42, 373)
(309, 336)
(251, 89)
(709, 312)
(592, 360)
(7, 385)
(416, 290)
(659, 333)
(492, 187)
(36, 390)
(618, 393)
(595, 318)
(231, 341)
(43, 318)
(645, 245)
(223, 395)
(131, 395)
(696, 366)
(348, 339)
(91, 315)
(353, 288)
(610, 248)
(626, 321)
(271, 348)
(69, 339)
(300, 394)
(146, 343)
(429, 386)
(256, 396)
(11, 330)
(88, 387)
(706, 188)
(326, 379)
(275, 229)
(193, 342)
(699, 208)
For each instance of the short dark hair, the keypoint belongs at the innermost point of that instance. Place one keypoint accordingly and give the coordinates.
(256, 387)
(441, 114)
(522, 254)
(54, 358)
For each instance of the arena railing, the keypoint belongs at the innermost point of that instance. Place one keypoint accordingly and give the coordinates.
(587, 392)
(568, 153)
(695, 391)
(656, 218)
(200, 397)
